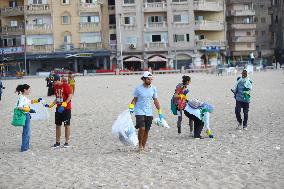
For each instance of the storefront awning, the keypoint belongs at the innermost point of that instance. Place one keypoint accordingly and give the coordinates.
(157, 59)
(133, 59)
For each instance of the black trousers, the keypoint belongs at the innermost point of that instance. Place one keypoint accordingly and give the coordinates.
(198, 124)
(239, 106)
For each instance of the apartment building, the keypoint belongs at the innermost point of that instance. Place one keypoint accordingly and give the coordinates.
(169, 33)
(241, 28)
(276, 10)
(55, 34)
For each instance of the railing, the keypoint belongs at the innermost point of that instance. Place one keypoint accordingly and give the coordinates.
(209, 25)
(249, 12)
(39, 29)
(206, 43)
(89, 7)
(39, 48)
(89, 27)
(207, 5)
(159, 6)
(112, 26)
(91, 46)
(243, 26)
(180, 5)
(156, 45)
(156, 25)
(243, 39)
(181, 24)
(38, 9)
(13, 30)
(12, 11)
(129, 7)
(129, 27)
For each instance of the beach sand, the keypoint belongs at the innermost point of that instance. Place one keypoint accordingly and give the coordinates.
(97, 159)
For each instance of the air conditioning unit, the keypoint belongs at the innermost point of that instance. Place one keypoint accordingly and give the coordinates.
(132, 46)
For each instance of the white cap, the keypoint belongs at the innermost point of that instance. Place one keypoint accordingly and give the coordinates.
(147, 74)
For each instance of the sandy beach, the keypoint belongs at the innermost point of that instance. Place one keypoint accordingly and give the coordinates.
(96, 159)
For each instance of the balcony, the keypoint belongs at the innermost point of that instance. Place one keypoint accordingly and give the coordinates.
(243, 39)
(180, 6)
(89, 7)
(129, 27)
(91, 46)
(206, 25)
(12, 11)
(204, 5)
(181, 25)
(156, 46)
(111, 9)
(13, 30)
(39, 48)
(129, 8)
(156, 26)
(249, 12)
(113, 45)
(89, 27)
(270, 10)
(241, 47)
(207, 44)
(182, 44)
(155, 7)
(243, 26)
(39, 29)
(38, 9)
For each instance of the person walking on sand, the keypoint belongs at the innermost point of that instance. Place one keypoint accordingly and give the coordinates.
(71, 82)
(180, 100)
(1, 87)
(23, 104)
(241, 92)
(63, 98)
(142, 106)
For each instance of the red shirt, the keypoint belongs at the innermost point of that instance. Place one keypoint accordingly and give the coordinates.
(62, 91)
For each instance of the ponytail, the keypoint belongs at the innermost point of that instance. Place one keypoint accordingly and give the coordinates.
(22, 88)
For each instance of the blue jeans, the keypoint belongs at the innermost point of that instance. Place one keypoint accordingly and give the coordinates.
(26, 134)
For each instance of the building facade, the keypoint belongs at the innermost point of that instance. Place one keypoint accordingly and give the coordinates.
(277, 29)
(169, 33)
(40, 35)
(241, 28)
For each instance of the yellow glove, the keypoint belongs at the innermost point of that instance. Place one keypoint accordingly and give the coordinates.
(64, 104)
(131, 108)
(35, 101)
(27, 109)
(49, 105)
(182, 96)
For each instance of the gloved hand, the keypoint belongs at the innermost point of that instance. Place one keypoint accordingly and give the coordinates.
(32, 111)
(62, 107)
(49, 105)
(182, 96)
(35, 101)
(27, 109)
(161, 115)
(131, 108)
(186, 91)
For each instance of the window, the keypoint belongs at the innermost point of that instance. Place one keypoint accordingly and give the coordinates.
(263, 32)
(112, 19)
(181, 37)
(38, 21)
(66, 19)
(14, 23)
(156, 38)
(112, 37)
(93, 19)
(65, 2)
(90, 37)
(39, 41)
(67, 39)
(248, 33)
(255, 19)
(131, 40)
(249, 45)
(90, 1)
(129, 20)
(37, 2)
(256, 33)
(12, 3)
(152, 19)
(181, 18)
(179, 1)
(129, 2)
(263, 20)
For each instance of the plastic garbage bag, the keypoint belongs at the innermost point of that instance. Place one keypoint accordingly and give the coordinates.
(161, 122)
(41, 112)
(123, 128)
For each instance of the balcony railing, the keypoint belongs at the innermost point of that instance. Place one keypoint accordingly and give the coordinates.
(181, 24)
(156, 46)
(243, 39)
(209, 25)
(91, 46)
(39, 29)
(89, 7)
(180, 5)
(155, 7)
(13, 30)
(129, 8)
(113, 45)
(38, 9)
(89, 27)
(182, 44)
(12, 11)
(40, 48)
(204, 5)
(204, 44)
(156, 26)
(243, 26)
(129, 27)
(249, 12)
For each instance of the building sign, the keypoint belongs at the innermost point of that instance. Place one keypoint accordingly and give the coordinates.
(211, 48)
(11, 50)
(80, 55)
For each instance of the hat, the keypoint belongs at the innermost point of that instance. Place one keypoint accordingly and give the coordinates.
(56, 77)
(147, 74)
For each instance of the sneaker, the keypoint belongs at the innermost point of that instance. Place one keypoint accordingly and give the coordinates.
(239, 126)
(245, 128)
(179, 130)
(56, 145)
(66, 145)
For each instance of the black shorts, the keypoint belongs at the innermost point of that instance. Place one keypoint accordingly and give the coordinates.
(64, 117)
(143, 121)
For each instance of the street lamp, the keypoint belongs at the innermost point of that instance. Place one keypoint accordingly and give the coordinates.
(175, 50)
(120, 40)
(25, 44)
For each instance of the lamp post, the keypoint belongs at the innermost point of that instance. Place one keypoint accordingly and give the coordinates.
(120, 40)
(25, 44)
(175, 50)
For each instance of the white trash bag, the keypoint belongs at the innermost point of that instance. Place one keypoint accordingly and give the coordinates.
(123, 128)
(41, 112)
(161, 122)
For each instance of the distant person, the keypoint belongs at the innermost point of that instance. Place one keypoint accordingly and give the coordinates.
(251, 56)
(63, 98)
(141, 105)
(24, 104)
(71, 82)
(49, 84)
(241, 92)
(1, 88)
